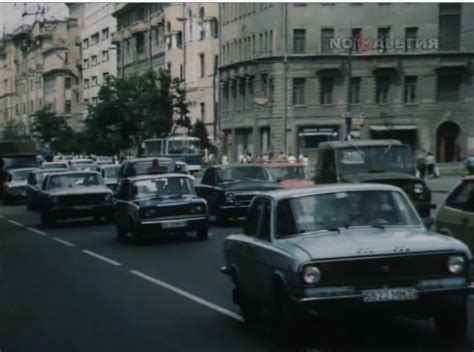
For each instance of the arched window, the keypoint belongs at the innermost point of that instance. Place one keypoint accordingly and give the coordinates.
(201, 13)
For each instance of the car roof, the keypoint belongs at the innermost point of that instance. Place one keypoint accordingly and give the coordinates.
(238, 165)
(277, 165)
(109, 166)
(164, 175)
(160, 158)
(55, 162)
(65, 173)
(358, 143)
(83, 159)
(24, 169)
(329, 188)
(47, 170)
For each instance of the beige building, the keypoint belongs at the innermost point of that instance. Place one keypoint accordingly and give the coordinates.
(40, 66)
(182, 38)
(286, 75)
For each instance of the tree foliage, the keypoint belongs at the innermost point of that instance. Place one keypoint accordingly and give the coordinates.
(47, 127)
(14, 130)
(199, 130)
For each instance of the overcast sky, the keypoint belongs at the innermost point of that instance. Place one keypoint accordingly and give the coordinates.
(11, 13)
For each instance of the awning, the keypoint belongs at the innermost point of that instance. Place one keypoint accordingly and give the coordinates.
(394, 127)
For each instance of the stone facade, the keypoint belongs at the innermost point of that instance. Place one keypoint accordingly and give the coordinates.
(402, 92)
(40, 66)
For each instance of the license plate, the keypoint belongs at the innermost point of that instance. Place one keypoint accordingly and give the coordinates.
(389, 294)
(83, 207)
(174, 224)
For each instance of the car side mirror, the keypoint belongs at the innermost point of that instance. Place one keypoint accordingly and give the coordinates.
(428, 222)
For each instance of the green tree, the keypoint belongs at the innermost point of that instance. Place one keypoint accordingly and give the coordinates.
(47, 126)
(14, 130)
(180, 104)
(199, 130)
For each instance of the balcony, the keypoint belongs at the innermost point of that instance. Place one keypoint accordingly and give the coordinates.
(138, 26)
(126, 34)
(116, 38)
(157, 20)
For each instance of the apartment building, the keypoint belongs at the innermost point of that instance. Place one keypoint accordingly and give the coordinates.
(288, 77)
(40, 66)
(179, 37)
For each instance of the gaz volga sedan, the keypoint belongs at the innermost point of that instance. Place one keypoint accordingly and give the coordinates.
(159, 205)
(342, 248)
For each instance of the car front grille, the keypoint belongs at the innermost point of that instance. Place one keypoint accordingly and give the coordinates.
(175, 210)
(391, 271)
(82, 199)
(243, 199)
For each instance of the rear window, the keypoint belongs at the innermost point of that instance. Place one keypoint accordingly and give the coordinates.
(14, 162)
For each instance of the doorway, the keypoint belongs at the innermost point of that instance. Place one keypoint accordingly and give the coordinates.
(447, 145)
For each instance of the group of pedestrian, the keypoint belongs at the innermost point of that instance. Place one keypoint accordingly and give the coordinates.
(426, 165)
(265, 158)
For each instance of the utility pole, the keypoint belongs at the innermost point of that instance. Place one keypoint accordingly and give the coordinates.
(150, 59)
(285, 78)
(348, 114)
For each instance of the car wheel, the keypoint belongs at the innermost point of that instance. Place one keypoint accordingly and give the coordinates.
(202, 234)
(451, 321)
(286, 319)
(47, 219)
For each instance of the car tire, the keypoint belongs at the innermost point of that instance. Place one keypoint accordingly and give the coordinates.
(47, 220)
(202, 234)
(451, 321)
(286, 319)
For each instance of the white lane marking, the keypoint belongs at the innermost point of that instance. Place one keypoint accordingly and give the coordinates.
(60, 240)
(15, 223)
(188, 295)
(32, 229)
(101, 257)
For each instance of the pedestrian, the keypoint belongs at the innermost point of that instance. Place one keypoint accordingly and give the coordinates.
(265, 158)
(248, 158)
(291, 159)
(282, 158)
(430, 164)
(224, 160)
(305, 160)
(421, 165)
(470, 164)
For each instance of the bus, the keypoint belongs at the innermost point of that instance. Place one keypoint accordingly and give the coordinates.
(179, 148)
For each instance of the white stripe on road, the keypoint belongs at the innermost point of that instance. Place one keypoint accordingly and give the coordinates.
(69, 244)
(188, 295)
(32, 229)
(15, 223)
(101, 257)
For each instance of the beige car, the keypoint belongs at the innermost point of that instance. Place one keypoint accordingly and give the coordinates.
(456, 216)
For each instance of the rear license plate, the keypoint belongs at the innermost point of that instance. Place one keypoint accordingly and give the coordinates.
(83, 207)
(389, 294)
(174, 224)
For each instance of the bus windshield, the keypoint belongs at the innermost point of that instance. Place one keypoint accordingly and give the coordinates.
(183, 146)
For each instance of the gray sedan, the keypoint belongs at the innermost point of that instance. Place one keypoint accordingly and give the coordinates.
(341, 248)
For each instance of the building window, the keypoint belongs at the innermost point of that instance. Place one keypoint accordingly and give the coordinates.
(94, 100)
(40, 102)
(203, 111)
(67, 106)
(85, 43)
(32, 105)
(66, 57)
(86, 63)
(411, 35)
(251, 86)
(67, 83)
(16, 109)
(327, 90)
(264, 85)
(449, 26)
(179, 40)
(409, 91)
(382, 84)
(94, 60)
(242, 88)
(355, 90)
(383, 38)
(140, 43)
(448, 88)
(356, 36)
(327, 34)
(94, 81)
(214, 28)
(105, 56)
(202, 65)
(299, 41)
(95, 38)
(86, 83)
(86, 101)
(299, 91)
(168, 65)
(105, 34)
(105, 75)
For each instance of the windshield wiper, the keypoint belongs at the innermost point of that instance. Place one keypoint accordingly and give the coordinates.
(387, 149)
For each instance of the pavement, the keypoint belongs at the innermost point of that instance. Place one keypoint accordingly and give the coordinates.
(75, 288)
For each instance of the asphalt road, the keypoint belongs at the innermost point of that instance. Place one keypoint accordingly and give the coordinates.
(74, 288)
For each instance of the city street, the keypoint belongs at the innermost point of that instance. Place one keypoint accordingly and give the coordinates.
(75, 288)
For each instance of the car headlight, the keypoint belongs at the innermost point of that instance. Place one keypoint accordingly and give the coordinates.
(149, 213)
(229, 197)
(418, 188)
(55, 200)
(311, 274)
(456, 264)
(109, 197)
(199, 209)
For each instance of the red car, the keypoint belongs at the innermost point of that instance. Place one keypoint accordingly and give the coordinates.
(291, 175)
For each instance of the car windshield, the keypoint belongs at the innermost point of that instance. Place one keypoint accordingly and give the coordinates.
(85, 167)
(243, 173)
(183, 146)
(374, 159)
(288, 173)
(334, 211)
(111, 172)
(20, 175)
(82, 161)
(55, 166)
(164, 187)
(147, 167)
(75, 180)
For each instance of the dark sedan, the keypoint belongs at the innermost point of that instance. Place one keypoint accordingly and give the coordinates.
(229, 189)
(33, 186)
(14, 189)
(75, 194)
